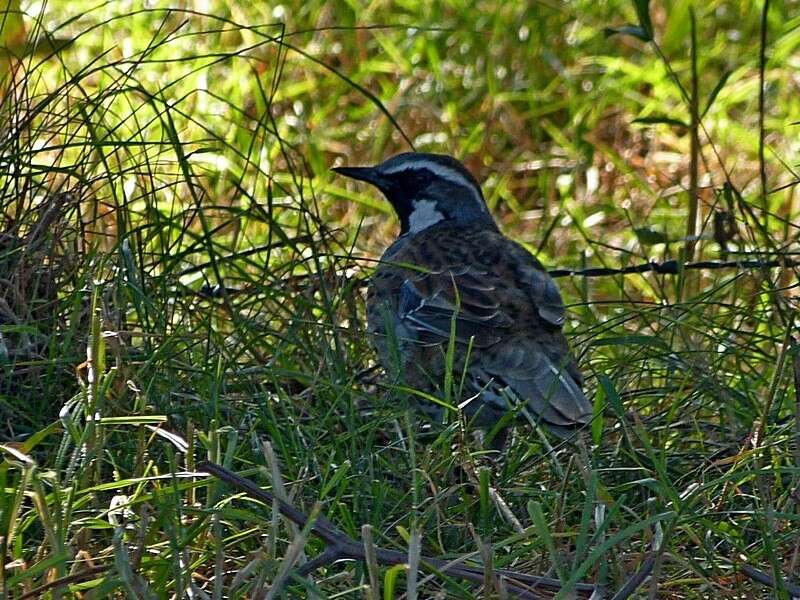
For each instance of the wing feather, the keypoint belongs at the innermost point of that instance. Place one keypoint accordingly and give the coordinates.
(430, 306)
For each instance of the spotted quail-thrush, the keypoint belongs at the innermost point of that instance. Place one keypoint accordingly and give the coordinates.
(451, 272)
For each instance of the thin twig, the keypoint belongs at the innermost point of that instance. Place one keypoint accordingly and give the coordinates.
(668, 267)
(341, 546)
(674, 267)
(627, 590)
(64, 581)
(767, 579)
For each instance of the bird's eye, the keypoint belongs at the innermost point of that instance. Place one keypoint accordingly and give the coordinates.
(421, 179)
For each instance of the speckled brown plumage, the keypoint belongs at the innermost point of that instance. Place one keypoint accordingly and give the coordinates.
(508, 314)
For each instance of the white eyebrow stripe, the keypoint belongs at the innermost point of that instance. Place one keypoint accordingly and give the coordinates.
(440, 170)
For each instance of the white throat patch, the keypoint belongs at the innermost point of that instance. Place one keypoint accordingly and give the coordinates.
(423, 215)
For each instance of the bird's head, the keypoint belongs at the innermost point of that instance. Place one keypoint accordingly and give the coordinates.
(425, 189)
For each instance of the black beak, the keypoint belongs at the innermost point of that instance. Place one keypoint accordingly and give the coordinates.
(368, 174)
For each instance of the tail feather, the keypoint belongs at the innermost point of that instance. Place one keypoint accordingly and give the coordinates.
(527, 375)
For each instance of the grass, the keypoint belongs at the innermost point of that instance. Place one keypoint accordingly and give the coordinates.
(177, 259)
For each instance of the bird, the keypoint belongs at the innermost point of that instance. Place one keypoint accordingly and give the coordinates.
(453, 292)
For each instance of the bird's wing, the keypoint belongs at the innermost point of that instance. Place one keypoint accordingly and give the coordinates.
(456, 299)
(538, 285)
(515, 313)
(516, 362)
(485, 293)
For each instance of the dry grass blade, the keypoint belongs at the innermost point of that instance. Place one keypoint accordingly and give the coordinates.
(293, 554)
(373, 593)
(414, 550)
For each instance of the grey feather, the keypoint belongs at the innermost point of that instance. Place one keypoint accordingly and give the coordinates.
(532, 378)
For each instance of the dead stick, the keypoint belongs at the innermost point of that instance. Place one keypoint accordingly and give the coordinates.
(668, 267)
(767, 579)
(673, 267)
(638, 578)
(341, 546)
(74, 578)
